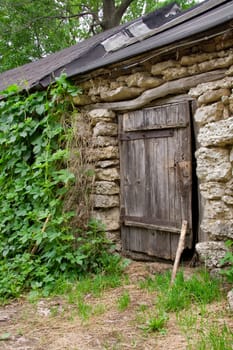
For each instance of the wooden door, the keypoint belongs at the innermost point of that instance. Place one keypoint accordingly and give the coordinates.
(156, 179)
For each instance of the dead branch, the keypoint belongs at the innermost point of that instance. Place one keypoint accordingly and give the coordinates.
(180, 249)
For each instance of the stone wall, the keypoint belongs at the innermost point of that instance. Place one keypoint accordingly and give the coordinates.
(213, 120)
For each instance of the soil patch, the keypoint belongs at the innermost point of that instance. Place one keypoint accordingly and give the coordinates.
(55, 324)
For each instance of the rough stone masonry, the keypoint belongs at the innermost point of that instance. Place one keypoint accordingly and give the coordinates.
(213, 121)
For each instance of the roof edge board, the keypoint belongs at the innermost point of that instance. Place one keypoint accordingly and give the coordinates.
(216, 17)
(173, 22)
(187, 15)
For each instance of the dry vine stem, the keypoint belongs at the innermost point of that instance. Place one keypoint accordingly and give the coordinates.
(35, 247)
(180, 249)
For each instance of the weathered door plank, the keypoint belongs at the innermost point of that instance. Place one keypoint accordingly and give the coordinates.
(155, 178)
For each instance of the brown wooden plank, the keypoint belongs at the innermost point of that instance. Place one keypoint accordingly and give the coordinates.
(155, 179)
(149, 134)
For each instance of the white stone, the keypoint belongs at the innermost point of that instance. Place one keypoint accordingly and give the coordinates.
(217, 209)
(97, 115)
(219, 133)
(211, 253)
(105, 129)
(212, 190)
(175, 73)
(109, 217)
(82, 100)
(104, 153)
(224, 62)
(108, 174)
(104, 141)
(212, 96)
(107, 163)
(207, 114)
(204, 87)
(231, 155)
(158, 68)
(105, 201)
(228, 200)
(213, 164)
(121, 93)
(196, 58)
(218, 229)
(106, 187)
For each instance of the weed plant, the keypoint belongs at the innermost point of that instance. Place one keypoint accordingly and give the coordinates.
(38, 244)
(213, 337)
(123, 301)
(228, 261)
(199, 288)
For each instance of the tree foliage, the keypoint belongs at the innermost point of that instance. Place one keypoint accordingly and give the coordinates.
(30, 29)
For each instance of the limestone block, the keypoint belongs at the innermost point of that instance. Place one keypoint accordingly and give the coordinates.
(231, 155)
(200, 89)
(82, 100)
(107, 163)
(217, 209)
(212, 96)
(107, 174)
(101, 115)
(116, 84)
(105, 201)
(193, 69)
(143, 80)
(104, 153)
(228, 200)
(97, 91)
(175, 73)
(104, 141)
(121, 94)
(231, 104)
(98, 85)
(219, 133)
(105, 129)
(212, 190)
(216, 63)
(158, 68)
(106, 187)
(225, 100)
(211, 253)
(196, 58)
(110, 218)
(218, 229)
(229, 188)
(213, 164)
(132, 80)
(229, 71)
(210, 113)
(150, 82)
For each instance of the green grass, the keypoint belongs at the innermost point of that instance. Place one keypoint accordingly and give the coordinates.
(155, 323)
(214, 337)
(123, 301)
(198, 289)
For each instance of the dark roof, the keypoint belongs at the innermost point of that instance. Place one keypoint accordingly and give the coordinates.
(160, 28)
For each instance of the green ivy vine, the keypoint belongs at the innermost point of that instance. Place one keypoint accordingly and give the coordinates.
(37, 243)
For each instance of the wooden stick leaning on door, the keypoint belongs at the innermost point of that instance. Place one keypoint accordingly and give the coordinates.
(180, 249)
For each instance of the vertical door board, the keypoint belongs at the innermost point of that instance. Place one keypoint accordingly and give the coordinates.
(156, 184)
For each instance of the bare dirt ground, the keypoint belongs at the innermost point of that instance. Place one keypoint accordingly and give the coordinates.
(54, 324)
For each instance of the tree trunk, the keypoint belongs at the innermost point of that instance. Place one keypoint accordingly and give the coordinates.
(112, 15)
